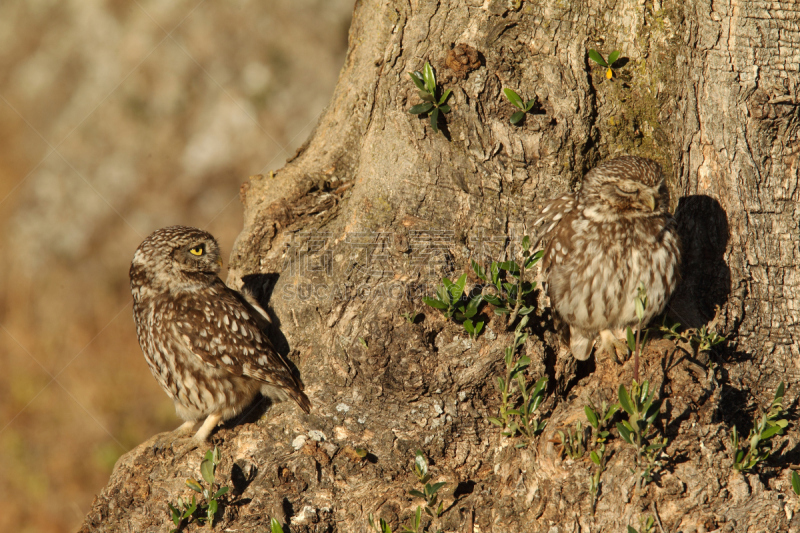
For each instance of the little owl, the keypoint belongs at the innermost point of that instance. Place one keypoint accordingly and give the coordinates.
(601, 243)
(205, 343)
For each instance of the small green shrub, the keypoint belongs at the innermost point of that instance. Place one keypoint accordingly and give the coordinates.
(429, 492)
(705, 340)
(410, 316)
(572, 442)
(636, 344)
(207, 510)
(507, 278)
(380, 527)
(598, 420)
(431, 105)
(759, 442)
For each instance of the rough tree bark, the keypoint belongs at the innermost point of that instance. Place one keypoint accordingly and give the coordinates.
(376, 208)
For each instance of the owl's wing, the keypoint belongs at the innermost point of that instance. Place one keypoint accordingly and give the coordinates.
(226, 331)
(558, 236)
(552, 213)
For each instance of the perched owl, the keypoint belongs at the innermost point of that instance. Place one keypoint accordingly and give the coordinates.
(205, 343)
(600, 243)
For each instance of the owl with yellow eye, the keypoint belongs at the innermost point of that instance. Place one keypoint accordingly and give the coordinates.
(204, 342)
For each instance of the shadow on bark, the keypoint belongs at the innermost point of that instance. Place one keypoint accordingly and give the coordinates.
(706, 284)
(260, 286)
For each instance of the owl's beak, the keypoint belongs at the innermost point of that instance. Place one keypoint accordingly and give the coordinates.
(648, 199)
(219, 261)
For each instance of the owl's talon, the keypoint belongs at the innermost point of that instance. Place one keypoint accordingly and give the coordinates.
(183, 446)
(613, 346)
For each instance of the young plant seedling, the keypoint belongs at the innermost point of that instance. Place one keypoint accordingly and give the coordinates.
(795, 478)
(598, 457)
(410, 316)
(429, 492)
(527, 425)
(646, 525)
(700, 340)
(598, 419)
(704, 340)
(451, 300)
(514, 367)
(572, 443)
(473, 330)
(595, 56)
(380, 527)
(511, 292)
(275, 526)
(185, 510)
(433, 507)
(759, 441)
(516, 100)
(519, 420)
(636, 430)
(637, 344)
(431, 104)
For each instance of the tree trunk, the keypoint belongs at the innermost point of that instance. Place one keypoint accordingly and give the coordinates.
(376, 208)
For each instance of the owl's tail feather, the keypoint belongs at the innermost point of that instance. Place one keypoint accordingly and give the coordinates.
(580, 346)
(301, 399)
(288, 389)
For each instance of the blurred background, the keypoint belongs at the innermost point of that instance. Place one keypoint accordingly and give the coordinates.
(118, 118)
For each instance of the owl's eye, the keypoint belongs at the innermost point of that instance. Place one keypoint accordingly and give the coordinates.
(198, 250)
(625, 190)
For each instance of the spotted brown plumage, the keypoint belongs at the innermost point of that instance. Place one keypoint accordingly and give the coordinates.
(204, 342)
(601, 242)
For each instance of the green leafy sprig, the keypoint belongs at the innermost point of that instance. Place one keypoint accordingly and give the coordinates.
(636, 344)
(451, 300)
(646, 525)
(519, 420)
(427, 90)
(433, 506)
(511, 292)
(703, 339)
(759, 442)
(636, 430)
(208, 509)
